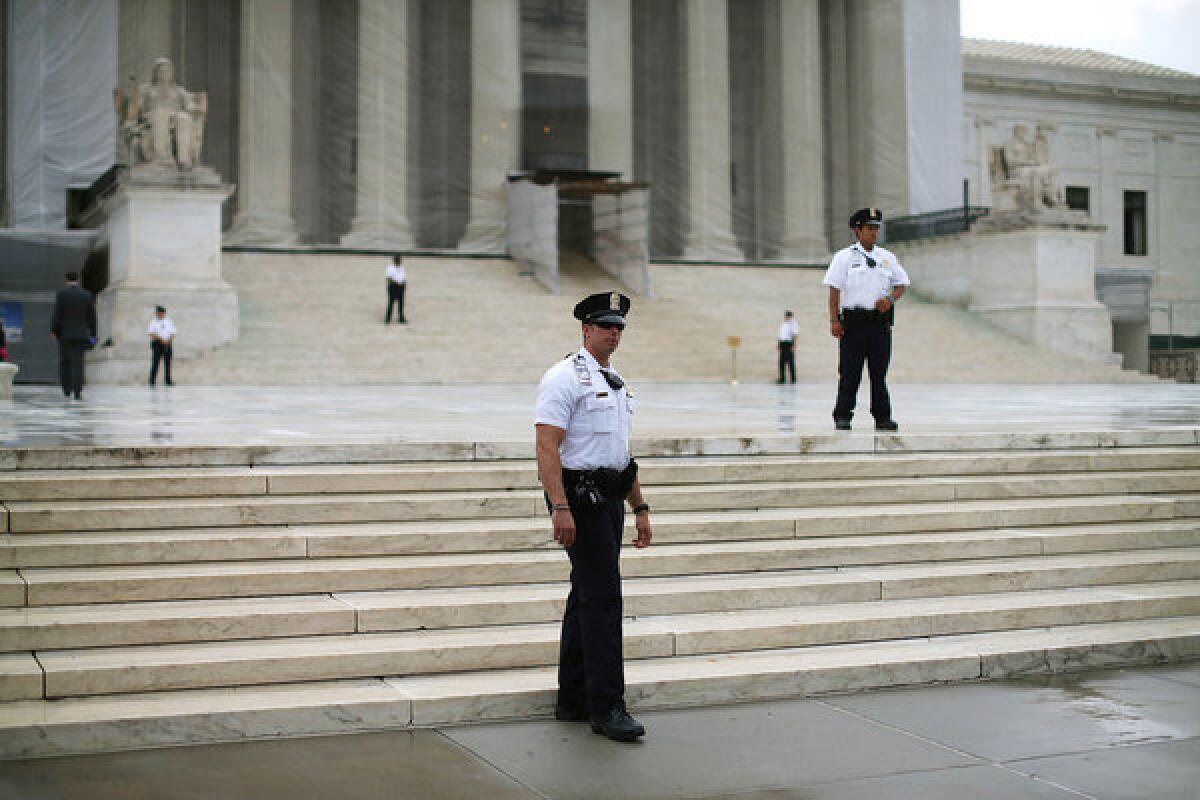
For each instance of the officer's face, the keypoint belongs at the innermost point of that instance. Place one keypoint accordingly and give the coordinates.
(867, 235)
(602, 338)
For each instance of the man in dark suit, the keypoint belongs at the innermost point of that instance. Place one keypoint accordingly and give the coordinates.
(74, 327)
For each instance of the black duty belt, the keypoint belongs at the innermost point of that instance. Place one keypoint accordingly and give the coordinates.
(852, 315)
(592, 485)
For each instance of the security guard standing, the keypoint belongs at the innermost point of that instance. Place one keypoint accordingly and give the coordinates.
(865, 282)
(584, 411)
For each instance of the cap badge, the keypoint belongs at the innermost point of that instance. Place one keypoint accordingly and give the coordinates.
(614, 302)
(874, 213)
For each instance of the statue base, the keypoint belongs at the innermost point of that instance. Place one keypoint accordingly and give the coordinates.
(1039, 284)
(170, 175)
(164, 248)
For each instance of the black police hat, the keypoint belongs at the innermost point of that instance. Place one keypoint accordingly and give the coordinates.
(866, 216)
(602, 307)
(159, 310)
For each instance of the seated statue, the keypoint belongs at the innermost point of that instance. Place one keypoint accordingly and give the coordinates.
(161, 122)
(1022, 176)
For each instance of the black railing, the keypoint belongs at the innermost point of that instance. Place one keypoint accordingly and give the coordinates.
(933, 223)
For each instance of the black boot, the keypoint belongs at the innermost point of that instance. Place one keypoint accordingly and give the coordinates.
(618, 725)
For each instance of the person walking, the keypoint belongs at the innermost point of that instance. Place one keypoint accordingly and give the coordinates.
(396, 279)
(865, 283)
(788, 331)
(73, 325)
(582, 423)
(162, 337)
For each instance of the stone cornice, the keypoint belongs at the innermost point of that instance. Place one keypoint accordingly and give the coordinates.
(1080, 91)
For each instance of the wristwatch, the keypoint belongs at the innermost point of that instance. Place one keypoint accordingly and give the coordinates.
(642, 509)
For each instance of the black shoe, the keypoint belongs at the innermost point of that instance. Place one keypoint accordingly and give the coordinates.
(569, 714)
(170, 383)
(841, 424)
(886, 425)
(78, 396)
(618, 726)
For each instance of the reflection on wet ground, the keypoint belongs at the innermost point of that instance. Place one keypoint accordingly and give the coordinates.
(39, 416)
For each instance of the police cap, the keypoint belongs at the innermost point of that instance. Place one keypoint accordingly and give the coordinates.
(159, 310)
(602, 307)
(866, 216)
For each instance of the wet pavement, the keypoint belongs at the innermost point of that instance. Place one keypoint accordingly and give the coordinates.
(109, 415)
(1109, 735)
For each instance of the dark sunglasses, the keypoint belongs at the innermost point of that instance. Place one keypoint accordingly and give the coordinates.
(608, 326)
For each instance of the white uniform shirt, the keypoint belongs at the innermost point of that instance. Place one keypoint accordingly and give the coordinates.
(861, 285)
(574, 396)
(788, 330)
(396, 273)
(162, 328)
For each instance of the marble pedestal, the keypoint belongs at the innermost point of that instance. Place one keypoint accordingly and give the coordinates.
(7, 373)
(1038, 283)
(164, 248)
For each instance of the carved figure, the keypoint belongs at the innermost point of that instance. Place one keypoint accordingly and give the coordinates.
(1022, 176)
(161, 122)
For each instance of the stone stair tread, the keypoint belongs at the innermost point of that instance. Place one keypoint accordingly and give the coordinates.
(641, 676)
(460, 560)
(86, 505)
(173, 666)
(401, 609)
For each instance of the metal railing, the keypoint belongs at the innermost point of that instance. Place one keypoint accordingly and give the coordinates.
(933, 223)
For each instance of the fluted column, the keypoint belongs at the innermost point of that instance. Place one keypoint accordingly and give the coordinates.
(803, 136)
(495, 120)
(264, 214)
(610, 86)
(710, 199)
(381, 218)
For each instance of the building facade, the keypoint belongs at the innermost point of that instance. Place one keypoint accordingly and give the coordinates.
(1126, 136)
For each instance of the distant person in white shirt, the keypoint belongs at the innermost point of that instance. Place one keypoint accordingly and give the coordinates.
(162, 335)
(788, 331)
(396, 278)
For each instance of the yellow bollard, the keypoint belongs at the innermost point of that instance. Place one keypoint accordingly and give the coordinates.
(734, 343)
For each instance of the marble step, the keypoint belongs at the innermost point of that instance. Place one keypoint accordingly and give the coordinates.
(77, 515)
(365, 539)
(109, 457)
(237, 663)
(59, 627)
(109, 584)
(39, 728)
(29, 485)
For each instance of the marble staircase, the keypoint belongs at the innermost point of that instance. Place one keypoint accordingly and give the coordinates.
(166, 595)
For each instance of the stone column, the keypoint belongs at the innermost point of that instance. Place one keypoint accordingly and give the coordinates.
(610, 86)
(143, 34)
(381, 220)
(495, 120)
(710, 199)
(264, 195)
(803, 133)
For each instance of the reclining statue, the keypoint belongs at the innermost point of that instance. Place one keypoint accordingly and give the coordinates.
(161, 122)
(1022, 176)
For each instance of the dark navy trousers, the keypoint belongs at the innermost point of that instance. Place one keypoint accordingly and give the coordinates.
(591, 669)
(868, 340)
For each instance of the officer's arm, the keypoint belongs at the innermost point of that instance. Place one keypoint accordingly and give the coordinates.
(549, 439)
(835, 303)
(641, 521)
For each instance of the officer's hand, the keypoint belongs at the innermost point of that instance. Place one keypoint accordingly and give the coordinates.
(642, 523)
(564, 527)
(882, 305)
(836, 329)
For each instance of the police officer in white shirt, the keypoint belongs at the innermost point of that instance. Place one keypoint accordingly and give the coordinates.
(865, 282)
(583, 416)
(396, 281)
(162, 336)
(788, 331)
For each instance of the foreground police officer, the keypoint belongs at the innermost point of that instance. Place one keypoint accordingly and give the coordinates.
(865, 282)
(583, 420)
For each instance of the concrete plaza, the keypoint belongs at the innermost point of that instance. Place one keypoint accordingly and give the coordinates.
(1113, 735)
(242, 415)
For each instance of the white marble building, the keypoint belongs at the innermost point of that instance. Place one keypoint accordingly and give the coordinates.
(758, 124)
(1127, 138)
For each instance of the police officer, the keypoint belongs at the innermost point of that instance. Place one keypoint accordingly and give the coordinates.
(865, 282)
(162, 340)
(583, 417)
